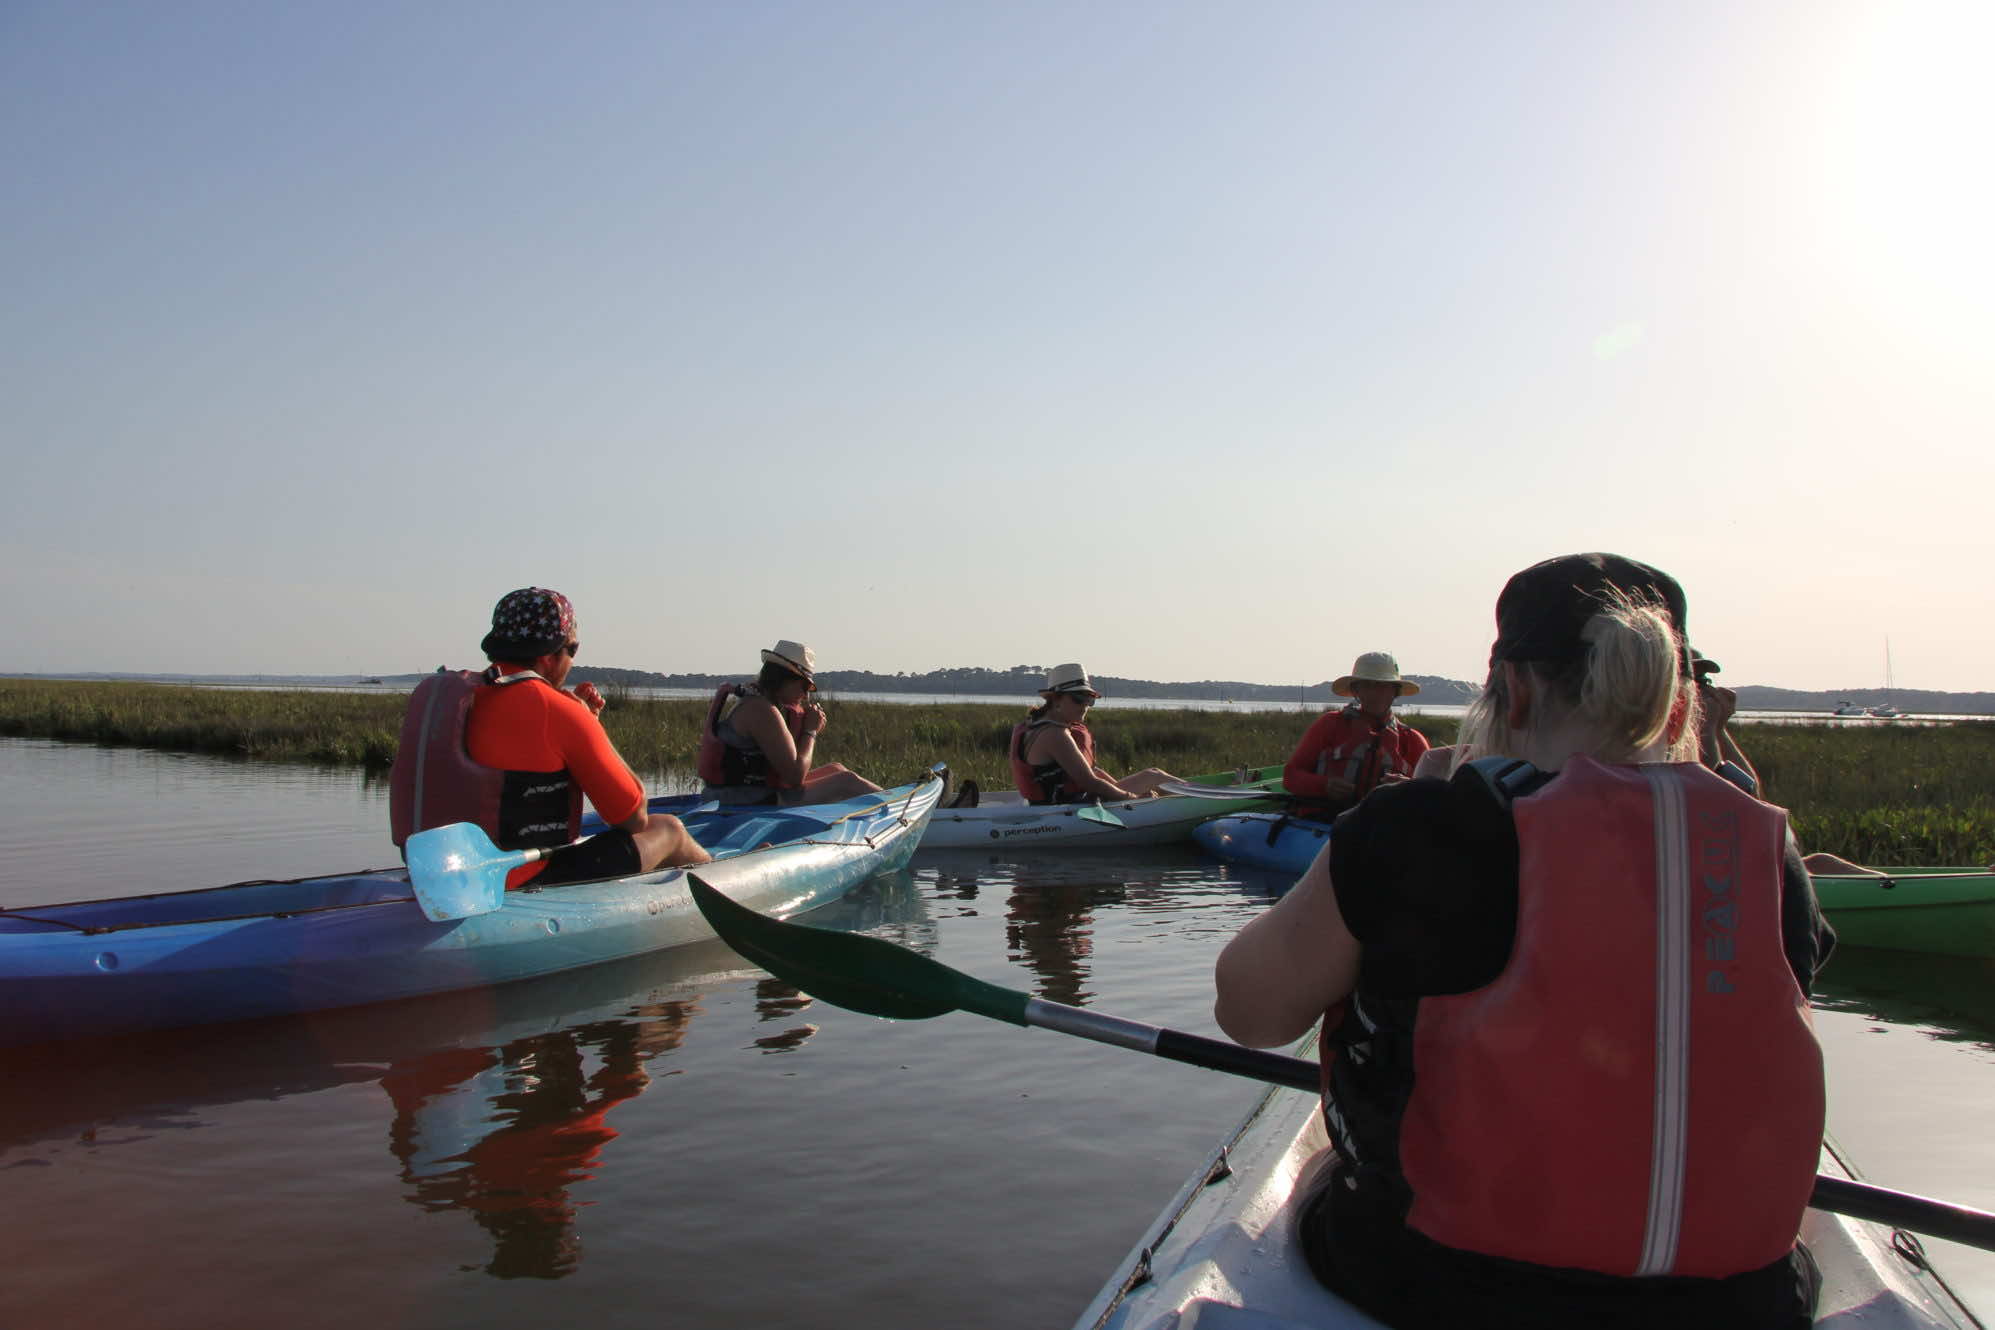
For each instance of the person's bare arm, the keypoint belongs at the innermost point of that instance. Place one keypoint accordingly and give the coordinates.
(789, 762)
(1058, 745)
(1280, 972)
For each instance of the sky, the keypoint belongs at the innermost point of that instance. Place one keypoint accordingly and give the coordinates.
(1186, 340)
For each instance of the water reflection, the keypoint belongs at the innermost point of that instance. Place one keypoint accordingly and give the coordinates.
(1049, 930)
(503, 1133)
(1950, 998)
(499, 1101)
(1052, 902)
(774, 1001)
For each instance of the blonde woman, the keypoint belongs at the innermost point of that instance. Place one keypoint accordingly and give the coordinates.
(1570, 1073)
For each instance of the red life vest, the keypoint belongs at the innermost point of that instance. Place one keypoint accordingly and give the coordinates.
(1046, 782)
(738, 760)
(434, 782)
(1368, 753)
(1640, 1091)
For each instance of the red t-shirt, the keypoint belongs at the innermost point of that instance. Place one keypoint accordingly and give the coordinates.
(1339, 744)
(533, 726)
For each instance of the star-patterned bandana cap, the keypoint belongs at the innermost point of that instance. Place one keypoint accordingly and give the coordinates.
(529, 623)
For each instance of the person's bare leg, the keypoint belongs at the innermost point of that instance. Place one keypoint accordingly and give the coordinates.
(1830, 865)
(664, 842)
(831, 783)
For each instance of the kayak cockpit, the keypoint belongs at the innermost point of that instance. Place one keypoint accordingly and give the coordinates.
(240, 900)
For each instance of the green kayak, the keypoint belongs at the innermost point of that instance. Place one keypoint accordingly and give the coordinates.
(1946, 910)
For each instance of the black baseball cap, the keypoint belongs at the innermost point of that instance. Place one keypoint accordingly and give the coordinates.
(1544, 609)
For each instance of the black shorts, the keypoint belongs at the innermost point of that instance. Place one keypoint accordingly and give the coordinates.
(609, 854)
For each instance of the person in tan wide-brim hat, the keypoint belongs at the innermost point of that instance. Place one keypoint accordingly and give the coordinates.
(1350, 752)
(759, 738)
(1374, 667)
(1052, 750)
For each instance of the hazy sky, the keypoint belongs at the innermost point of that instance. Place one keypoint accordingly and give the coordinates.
(1186, 340)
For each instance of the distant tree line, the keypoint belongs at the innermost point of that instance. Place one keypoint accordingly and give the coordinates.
(1025, 680)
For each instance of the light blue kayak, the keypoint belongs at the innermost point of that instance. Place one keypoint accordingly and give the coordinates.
(1272, 841)
(258, 949)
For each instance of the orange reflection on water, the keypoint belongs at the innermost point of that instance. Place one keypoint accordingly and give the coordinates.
(503, 1133)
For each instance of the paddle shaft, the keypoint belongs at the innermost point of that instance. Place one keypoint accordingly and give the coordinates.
(1213, 1054)
(1243, 793)
(1843, 1196)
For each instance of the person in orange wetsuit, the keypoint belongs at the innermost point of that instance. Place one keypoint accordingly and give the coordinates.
(524, 723)
(1569, 1072)
(1352, 751)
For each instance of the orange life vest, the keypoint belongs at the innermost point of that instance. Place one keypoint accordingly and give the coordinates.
(731, 758)
(435, 782)
(1046, 782)
(1639, 1092)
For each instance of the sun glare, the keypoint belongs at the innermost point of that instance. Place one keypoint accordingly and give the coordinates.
(1902, 155)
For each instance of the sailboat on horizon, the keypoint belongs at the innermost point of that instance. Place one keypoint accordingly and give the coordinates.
(1884, 709)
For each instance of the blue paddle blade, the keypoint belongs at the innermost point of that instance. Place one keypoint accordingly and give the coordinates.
(457, 871)
(1096, 813)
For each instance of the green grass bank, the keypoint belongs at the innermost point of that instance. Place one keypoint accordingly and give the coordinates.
(1883, 794)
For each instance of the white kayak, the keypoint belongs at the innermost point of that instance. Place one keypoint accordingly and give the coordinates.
(1002, 817)
(1223, 1254)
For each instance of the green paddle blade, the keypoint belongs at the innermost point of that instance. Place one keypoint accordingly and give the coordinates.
(1096, 813)
(852, 970)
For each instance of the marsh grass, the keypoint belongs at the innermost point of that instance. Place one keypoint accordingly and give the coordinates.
(339, 729)
(1882, 794)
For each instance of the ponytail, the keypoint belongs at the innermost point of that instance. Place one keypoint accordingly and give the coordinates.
(1625, 691)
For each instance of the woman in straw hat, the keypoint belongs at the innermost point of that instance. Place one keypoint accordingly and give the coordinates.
(1350, 752)
(1569, 1073)
(1052, 750)
(759, 738)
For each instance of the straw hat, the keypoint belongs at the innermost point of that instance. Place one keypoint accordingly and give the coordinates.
(1068, 678)
(794, 657)
(1374, 667)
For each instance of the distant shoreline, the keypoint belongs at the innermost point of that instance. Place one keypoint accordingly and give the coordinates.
(1020, 683)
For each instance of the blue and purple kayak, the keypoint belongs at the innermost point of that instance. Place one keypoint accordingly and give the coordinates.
(259, 949)
(1273, 841)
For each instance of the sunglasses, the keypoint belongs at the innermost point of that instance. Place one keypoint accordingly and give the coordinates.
(1083, 699)
(571, 648)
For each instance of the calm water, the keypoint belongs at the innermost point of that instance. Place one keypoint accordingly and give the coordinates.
(679, 1141)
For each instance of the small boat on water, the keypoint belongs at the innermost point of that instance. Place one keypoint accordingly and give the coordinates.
(256, 949)
(1224, 1254)
(1004, 818)
(1950, 911)
(1847, 708)
(1273, 841)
